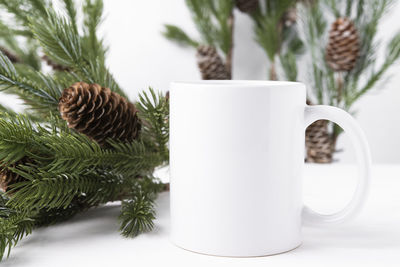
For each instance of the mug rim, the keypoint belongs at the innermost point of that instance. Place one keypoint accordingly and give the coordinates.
(237, 83)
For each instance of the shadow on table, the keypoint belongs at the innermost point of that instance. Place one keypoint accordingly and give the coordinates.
(351, 236)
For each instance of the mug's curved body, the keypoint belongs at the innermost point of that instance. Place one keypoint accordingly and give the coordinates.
(236, 159)
(237, 152)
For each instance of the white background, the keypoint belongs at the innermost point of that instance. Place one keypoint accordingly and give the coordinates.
(140, 57)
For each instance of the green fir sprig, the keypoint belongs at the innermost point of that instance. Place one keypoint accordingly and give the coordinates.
(214, 20)
(62, 172)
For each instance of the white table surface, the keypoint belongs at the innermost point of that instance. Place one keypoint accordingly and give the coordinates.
(372, 239)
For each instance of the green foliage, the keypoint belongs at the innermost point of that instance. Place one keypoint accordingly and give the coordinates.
(14, 226)
(93, 11)
(213, 20)
(42, 96)
(62, 43)
(16, 37)
(154, 109)
(71, 11)
(176, 34)
(344, 89)
(277, 39)
(289, 65)
(137, 215)
(62, 172)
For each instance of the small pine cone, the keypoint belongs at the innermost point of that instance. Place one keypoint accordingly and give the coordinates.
(210, 64)
(343, 48)
(8, 178)
(13, 58)
(320, 144)
(247, 6)
(54, 65)
(99, 113)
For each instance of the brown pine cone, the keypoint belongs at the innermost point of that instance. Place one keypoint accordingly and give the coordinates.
(54, 65)
(343, 48)
(8, 178)
(320, 144)
(210, 64)
(99, 113)
(247, 6)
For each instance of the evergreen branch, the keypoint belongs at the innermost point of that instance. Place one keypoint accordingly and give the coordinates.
(93, 13)
(71, 11)
(6, 111)
(57, 190)
(137, 215)
(213, 19)
(61, 150)
(38, 97)
(39, 6)
(270, 31)
(392, 56)
(14, 7)
(58, 38)
(14, 226)
(289, 65)
(176, 34)
(154, 110)
(200, 11)
(15, 136)
(46, 217)
(60, 42)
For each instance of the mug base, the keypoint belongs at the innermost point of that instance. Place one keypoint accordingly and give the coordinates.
(227, 255)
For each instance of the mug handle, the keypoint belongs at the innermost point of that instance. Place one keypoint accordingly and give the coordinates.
(357, 137)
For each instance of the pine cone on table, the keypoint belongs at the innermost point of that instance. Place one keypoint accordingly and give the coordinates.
(210, 64)
(99, 113)
(247, 6)
(343, 48)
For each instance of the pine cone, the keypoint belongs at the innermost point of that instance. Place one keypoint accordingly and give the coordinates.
(8, 178)
(320, 144)
(343, 47)
(99, 113)
(54, 65)
(247, 6)
(210, 64)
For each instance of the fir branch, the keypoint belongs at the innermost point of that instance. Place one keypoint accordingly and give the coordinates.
(60, 42)
(176, 34)
(212, 19)
(154, 110)
(392, 56)
(14, 7)
(69, 6)
(137, 215)
(93, 13)
(6, 111)
(14, 226)
(271, 33)
(57, 190)
(289, 65)
(38, 97)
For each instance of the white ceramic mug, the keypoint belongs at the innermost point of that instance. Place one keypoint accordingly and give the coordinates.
(236, 161)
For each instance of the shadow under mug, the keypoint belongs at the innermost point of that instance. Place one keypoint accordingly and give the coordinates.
(236, 162)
